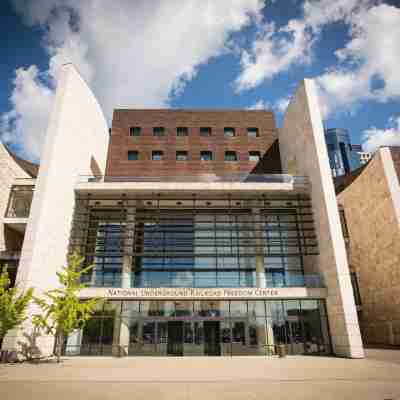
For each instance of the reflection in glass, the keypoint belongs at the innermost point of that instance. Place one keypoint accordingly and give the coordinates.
(204, 327)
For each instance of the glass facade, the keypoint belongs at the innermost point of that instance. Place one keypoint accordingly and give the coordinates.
(203, 328)
(200, 248)
(342, 157)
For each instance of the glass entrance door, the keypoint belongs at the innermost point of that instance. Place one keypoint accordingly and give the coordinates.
(212, 345)
(175, 338)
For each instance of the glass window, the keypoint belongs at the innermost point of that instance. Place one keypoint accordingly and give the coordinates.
(181, 156)
(133, 155)
(158, 131)
(254, 156)
(206, 156)
(229, 132)
(182, 131)
(252, 132)
(231, 156)
(135, 131)
(157, 155)
(205, 131)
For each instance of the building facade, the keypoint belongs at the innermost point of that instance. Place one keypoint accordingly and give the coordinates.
(369, 199)
(343, 158)
(211, 232)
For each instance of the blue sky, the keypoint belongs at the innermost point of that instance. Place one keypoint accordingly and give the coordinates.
(209, 54)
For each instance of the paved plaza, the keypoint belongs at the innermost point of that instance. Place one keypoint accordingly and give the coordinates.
(296, 377)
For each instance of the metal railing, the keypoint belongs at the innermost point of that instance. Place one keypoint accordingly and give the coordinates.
(207, 178)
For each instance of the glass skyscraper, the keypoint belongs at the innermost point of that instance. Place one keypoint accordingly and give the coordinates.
(342, 157)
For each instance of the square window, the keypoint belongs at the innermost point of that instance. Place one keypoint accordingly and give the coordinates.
(133, 155)
(181, 156)
(206, 155)
(159, 131)
(157, 155)
(205, 131)
(134, 131)
(252, 132)
(182, 131)
(229, 132)
(230, 156)
(254, 156)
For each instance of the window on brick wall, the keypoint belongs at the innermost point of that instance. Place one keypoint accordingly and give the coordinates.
(229, 132)
(231, 156)
(158, 131)
(135, 131)
(182, 131)
(181, 155)
(252, 132)
(133, 155)
(205, 131)
(206, 155)
(157, 155)
(254, 156)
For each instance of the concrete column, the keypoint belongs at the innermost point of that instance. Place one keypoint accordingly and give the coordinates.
(128, 246)
(258, 236)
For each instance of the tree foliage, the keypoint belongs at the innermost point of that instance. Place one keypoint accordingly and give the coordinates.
(13, 304)
(62, 310)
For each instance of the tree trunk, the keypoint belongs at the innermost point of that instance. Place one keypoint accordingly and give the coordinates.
(58, 345)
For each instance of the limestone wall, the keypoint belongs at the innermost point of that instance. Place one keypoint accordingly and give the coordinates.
(77, 131)
(303, 152)
(375, 249)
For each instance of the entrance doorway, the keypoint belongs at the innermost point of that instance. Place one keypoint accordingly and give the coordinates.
(212, 345)
(175, 338)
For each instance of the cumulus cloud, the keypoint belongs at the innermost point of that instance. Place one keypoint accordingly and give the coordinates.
(276, 49)
(373, 138)
(25, 124)
(368, 64)
(132, 53)
(282, 104)
(259, 105)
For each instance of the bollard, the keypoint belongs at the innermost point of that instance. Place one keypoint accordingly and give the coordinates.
(281, 350)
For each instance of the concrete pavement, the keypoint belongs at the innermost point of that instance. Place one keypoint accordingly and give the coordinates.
(296, 377)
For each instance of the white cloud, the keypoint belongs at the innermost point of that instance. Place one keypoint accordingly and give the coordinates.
(276, 49)
(368, 64)
(132, 53)
(26, 123)
(373, 137)
(270, 55)
(259, 105)
(282, 104)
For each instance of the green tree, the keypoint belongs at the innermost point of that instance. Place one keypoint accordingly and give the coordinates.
(62, 310)
(13, 304)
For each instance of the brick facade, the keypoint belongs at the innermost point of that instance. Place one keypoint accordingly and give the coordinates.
(121, 142)
(395, 152)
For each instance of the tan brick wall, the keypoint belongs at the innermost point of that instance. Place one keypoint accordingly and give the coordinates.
(120, 141)
(374, 252)
(9, 170)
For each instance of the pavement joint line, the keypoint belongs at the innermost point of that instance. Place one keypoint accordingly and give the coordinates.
(246, 381)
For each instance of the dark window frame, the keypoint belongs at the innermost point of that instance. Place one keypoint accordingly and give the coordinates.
(253, 129)
(155, 152)
(229, 129)
(134, 153)
(231, 153)
(205, 131)
(182, 131)
(158, 131)
(182, 153)
(135, 131)
(204, 152)
(254, 153)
